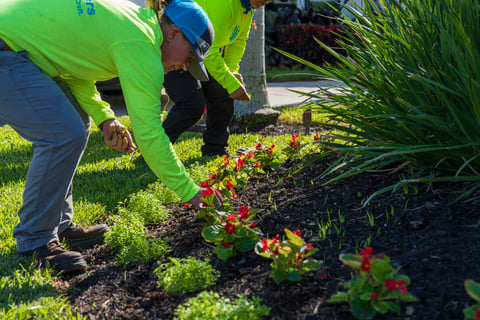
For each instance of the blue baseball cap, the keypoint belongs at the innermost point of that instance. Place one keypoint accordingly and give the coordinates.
(197, 28)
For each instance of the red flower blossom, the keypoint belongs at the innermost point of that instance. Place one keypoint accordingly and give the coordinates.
(404, 290)
(207, 192)
(323, 276)
(366, 252)
(477, 314)
(276, 239)
(258, 146)
(204, 184)
(316, 137)
(252, 225)
(298, 233)
(229, 184)
(232, 217)
(390, 284)
(243, 212)
(258, 164)
(226, 162)
(308, 245)
(250, 155)
(230, 228)
(365, 266)
(373, 296)
(234, 196)
(270, 149)
(299, 256)
(239, 164)
(227, 244)
(265, 246)
(186, 205)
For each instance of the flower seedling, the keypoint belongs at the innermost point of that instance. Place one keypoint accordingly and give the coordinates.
(232, 231)
(289, 256)
(473, 290)
(375, 285)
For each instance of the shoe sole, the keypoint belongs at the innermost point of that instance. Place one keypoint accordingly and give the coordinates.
(79, 264)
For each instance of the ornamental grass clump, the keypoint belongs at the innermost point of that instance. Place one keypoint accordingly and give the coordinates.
(473, 290)
(180, 276)
(209, 305)
(290, 256)
(375, 285)
(410, 94)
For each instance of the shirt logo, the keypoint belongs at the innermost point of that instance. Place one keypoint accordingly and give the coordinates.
(235, 33)
(90, 7)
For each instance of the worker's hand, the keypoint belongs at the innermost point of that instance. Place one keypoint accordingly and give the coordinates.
(117, 136)
(239, 78)
(240, 94)
(197, 203)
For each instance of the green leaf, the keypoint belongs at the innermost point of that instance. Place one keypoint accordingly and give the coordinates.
(352, 260)
(312, 264)
(362, 309)
(291, 235)
(470, 312)
(381, 270)
(338, 297)
(213, 233)
(224, 253)
(394, 307)
(293, 276)
(473, 289)
(381, 306)
(245, 244)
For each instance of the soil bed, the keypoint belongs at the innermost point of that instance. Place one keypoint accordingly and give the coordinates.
(435, 240)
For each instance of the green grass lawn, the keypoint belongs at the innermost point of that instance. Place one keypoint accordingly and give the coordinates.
(105, 182)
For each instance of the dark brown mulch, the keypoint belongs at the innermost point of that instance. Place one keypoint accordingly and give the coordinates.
(435, 240)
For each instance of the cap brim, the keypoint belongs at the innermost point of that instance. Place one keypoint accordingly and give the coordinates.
(197, 69)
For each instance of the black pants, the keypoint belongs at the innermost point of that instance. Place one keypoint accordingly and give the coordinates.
(190, 97)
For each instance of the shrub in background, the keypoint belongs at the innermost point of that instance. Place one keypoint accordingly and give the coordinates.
(411, 77)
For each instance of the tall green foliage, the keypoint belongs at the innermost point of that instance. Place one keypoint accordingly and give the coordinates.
(411, 89)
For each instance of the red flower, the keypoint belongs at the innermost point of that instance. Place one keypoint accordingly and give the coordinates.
(258, 146)
(204, 184)
(390, 284)
(404, 290)
(366, 252)
(373, 296)
(207, 192)
(323, 276)
(250, 155)
(308, 245)
(226, 162)
(229, 184)
(227, 244)
(230, 228)
(298, 233)
(477, 314)
(234, 196)
(258, 164)
(276, 239)
(252, 225)
(365, 266)
(186, 205)
(239, 164)
(270, 149)
(294, 143)
(316, 137)
(265, 246)
(243, 212)
(232, 217)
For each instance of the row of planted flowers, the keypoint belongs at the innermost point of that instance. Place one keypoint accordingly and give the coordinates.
(375, 286)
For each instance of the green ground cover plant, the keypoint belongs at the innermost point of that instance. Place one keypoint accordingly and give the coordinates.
(180, 276)
(209, 305)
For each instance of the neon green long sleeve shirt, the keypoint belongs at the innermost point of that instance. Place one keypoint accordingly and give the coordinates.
(84, 41)
(232, 27)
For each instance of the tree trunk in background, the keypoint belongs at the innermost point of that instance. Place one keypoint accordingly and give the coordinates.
(252, 68)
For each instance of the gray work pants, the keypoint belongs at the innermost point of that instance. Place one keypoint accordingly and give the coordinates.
(45, 113)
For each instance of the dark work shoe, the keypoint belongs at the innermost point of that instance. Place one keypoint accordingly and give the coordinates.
(58, 257)
(78, 237)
